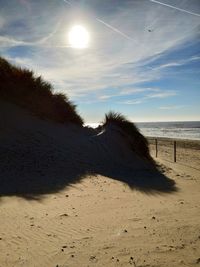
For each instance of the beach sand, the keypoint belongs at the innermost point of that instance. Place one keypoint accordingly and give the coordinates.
(187, 151)
(102, 222)
(97, 220)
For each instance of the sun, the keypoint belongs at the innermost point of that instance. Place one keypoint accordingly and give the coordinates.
(78, 37)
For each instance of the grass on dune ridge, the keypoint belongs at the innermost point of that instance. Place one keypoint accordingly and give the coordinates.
(23, 88)
(138, 142)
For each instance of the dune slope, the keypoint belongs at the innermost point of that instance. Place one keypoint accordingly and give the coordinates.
(40, 157)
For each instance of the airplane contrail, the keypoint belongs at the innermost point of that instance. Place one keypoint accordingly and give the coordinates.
(44, 39)
(114, 29)
(106, 24)
(177, 8)
(67, 2)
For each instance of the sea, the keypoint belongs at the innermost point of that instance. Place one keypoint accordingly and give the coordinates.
(189, 130)
(177, 130)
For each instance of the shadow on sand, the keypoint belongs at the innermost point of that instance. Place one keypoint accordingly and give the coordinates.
(32, 170)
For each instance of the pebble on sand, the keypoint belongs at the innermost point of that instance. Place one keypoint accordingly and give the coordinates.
(198, 261)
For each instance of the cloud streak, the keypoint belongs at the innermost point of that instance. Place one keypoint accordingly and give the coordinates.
(177, 63)
(161, 94)
(174, 107)
(7, 41)
(176, 8)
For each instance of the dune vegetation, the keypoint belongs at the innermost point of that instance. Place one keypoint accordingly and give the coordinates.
(22, 87)
(138, 142)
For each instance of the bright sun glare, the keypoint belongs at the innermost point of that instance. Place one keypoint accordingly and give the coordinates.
(78, 37)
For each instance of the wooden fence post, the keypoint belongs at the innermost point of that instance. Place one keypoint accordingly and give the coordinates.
(174, 151)
(156, 142)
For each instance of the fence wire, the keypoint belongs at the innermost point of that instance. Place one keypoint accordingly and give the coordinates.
(185, 152)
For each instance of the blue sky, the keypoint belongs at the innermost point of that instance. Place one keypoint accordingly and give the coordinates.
(143, 58)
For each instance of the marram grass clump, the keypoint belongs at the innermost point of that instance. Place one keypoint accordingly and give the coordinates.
(22, 87)
(138, 142)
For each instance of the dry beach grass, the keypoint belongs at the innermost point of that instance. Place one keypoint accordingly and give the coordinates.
(24, 88)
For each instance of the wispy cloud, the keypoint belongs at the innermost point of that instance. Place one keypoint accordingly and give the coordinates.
(8, 41)
(172, 107)
(132, 102)
(177, 63)
(163, 94)
(127, 92)
(140, 100)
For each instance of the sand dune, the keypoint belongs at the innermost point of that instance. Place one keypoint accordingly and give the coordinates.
(73, 197)
(40, 157)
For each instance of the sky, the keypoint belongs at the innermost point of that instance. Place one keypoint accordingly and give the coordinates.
(142, 60)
